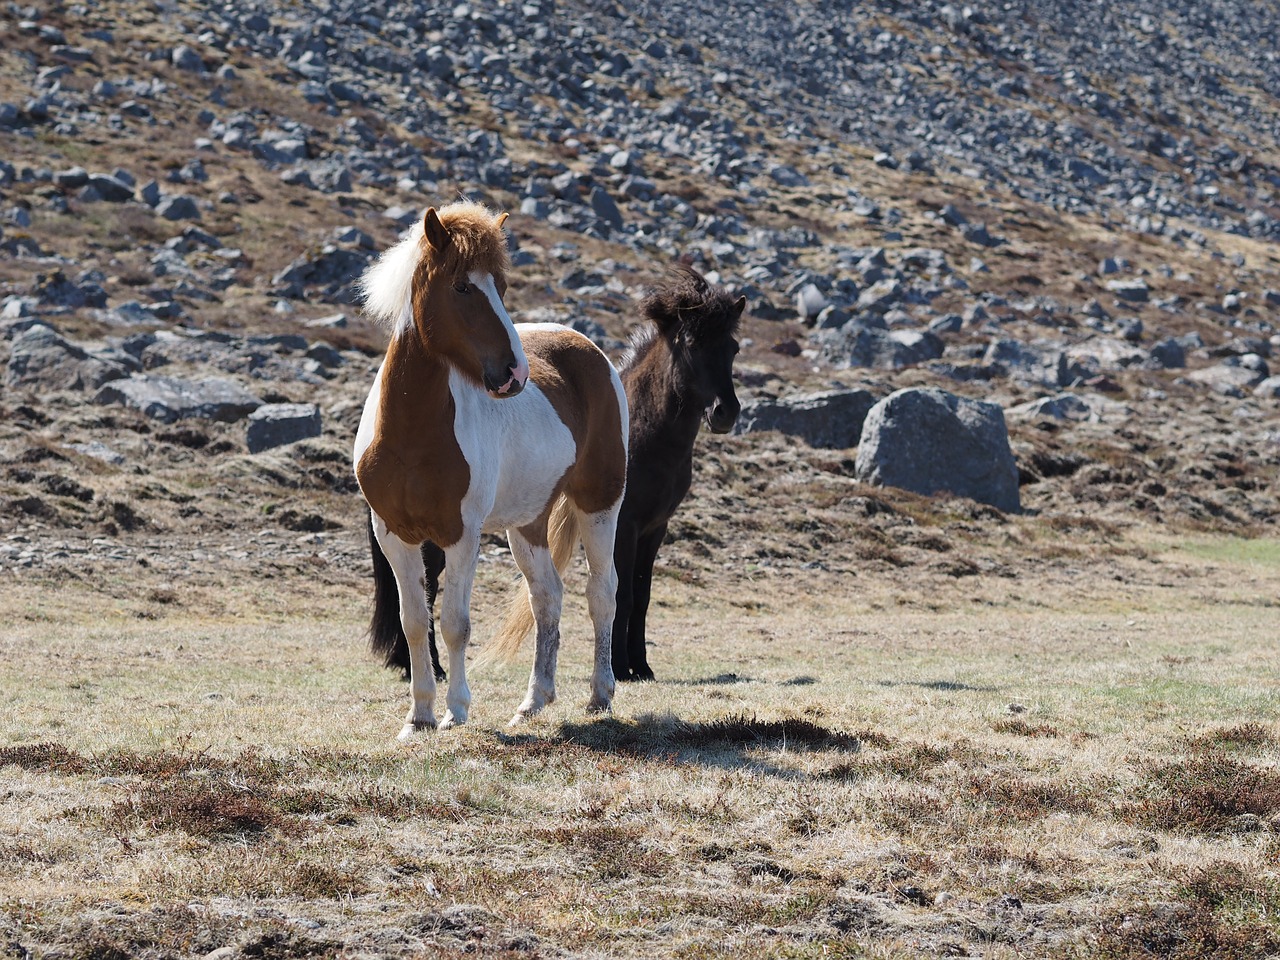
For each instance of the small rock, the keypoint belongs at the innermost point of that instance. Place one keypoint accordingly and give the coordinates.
(111, 188)
(605, 208)
(275, 424)
(810, 301)
(184, 58)
(178, 207)
(1134, 291)
(1268, 389)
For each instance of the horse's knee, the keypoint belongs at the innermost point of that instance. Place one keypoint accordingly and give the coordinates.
(546, 602)
(456, 626)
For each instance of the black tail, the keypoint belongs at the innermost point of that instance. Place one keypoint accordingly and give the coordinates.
(386, 635)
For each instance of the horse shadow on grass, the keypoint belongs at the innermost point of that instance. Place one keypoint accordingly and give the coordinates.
(727, 743)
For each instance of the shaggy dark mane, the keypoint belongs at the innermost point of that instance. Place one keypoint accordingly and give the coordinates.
(686, 304)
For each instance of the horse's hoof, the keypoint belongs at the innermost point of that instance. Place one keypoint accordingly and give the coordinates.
(625, 677)
(450, 720)
(416, 728)
(600, 706)
(643, 675)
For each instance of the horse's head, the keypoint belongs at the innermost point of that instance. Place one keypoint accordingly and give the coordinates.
(447, 280)
(700, 321)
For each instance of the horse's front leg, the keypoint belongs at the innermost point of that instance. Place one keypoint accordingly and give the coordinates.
(415, 619)
(598, 531)
(546, 592)
(455, 623)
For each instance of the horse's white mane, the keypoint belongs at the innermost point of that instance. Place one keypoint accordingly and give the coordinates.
(387, 285)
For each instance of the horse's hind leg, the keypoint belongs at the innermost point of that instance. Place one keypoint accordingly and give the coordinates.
(433, 562)
(546, 592)
(646, 554)
(415, 618)
(624, 559)
(598, 531)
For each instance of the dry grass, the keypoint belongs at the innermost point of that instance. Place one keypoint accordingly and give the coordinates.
(1037, 776)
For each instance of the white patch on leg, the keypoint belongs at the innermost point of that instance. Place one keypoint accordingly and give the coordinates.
(598, 531)
(406, 563)
(546, 594)
(455, 623)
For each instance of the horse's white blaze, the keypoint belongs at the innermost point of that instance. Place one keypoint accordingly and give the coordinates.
(484, 283)
(517, 449)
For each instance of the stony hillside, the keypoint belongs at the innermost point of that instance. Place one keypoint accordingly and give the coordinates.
(1009, 202)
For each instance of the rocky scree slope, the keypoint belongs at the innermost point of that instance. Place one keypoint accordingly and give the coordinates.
(1066, 209)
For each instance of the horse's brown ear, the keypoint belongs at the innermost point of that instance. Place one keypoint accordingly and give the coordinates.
(739, 305)
(502, 218)
(437, 236)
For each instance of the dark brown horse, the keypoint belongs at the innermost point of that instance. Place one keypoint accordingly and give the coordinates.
(677, 375)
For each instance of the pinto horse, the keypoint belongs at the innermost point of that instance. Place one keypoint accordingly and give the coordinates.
(474, 424)
(678, 374)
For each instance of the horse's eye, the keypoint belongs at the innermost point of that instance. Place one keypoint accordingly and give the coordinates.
(462, 287)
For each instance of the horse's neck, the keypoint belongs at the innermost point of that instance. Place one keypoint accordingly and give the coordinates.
(413, 473)
(658, 386)
(416, 400)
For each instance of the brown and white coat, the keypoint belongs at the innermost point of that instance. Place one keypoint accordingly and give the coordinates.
(477, 424)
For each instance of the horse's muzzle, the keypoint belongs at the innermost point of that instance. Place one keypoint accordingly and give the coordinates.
(722, 416)
(501, 389)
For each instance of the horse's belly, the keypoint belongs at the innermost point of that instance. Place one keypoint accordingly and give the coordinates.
(530, 478)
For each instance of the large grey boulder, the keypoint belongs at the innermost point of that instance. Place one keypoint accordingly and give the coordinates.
(42, 359)
(855, 345)
(1234, 376)
(275, 424)
(831, 420)
(930, 441)
(169, 398)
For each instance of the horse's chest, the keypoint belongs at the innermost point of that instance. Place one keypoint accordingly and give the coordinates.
(411, 470)
(519, 451)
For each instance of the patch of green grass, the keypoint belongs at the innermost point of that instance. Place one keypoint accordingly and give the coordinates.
(1235, 550)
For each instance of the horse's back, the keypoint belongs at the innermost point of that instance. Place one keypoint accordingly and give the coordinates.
(587, 394)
